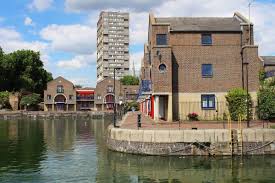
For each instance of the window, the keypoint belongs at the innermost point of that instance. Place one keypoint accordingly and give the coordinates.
(206, 70)
(109, 89)
(161, 39)
(162, 68)
(59, 89)
(98, 97)
(208, 101)
(206, 39)
(71, 97)
(49, 97)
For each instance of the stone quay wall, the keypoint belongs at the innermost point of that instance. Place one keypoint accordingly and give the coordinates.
(49, 115)
(192, 142)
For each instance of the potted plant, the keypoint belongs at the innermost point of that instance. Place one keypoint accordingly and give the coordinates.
(193, 116)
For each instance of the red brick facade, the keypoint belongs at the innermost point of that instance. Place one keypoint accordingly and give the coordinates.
(231, 46)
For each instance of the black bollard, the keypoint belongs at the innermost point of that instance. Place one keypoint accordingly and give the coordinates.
(139, 120)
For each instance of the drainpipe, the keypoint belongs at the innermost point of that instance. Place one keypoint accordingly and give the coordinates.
(242, 59)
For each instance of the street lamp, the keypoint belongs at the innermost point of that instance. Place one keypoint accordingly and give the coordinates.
(247, 96)
(114, 122)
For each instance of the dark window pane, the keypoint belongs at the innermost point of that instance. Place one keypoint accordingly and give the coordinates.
(206, 70)
(206, 39)
(161, 39)
(208, 101)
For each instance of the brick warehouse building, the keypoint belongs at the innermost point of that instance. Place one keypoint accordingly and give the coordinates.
(190, 63)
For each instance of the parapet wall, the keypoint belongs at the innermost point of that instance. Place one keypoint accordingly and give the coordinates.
(192, 142)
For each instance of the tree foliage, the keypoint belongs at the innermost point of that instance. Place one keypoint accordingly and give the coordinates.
(23, 70)
(4, 99)
(130, 80)
(30, 100)
(266, 99)
(237, 103)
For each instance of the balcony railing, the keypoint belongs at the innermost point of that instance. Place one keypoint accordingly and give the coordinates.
(59, 90)
(84, 98)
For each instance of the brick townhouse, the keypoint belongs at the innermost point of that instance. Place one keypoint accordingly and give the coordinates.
(62, 95)
(104, 94)
(190, 63)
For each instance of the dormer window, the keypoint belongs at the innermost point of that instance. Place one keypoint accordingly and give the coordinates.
(206, 39)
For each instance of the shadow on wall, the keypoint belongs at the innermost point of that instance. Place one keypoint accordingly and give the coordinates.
(175, 88)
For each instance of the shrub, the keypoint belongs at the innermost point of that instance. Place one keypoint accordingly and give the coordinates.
(31, 100)
(129, 105)
(193, 116)
(237, 103)
(4, 99)
(266, 100)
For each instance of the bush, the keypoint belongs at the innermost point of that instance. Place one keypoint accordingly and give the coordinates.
(266, 100)
(31, 101)
(129, 105)
(4, 100)
(193, 116)
(237, 103)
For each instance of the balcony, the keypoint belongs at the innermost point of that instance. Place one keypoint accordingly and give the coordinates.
(59, 90)
(84, 98)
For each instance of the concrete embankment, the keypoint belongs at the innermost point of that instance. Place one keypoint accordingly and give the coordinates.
(192, 142)
(43, 114)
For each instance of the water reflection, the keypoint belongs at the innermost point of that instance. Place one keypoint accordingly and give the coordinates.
(21, 145)
(74, 150)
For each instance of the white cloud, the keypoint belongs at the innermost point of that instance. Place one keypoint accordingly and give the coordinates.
(28, 21)
(88, 5)
(11, 40)
(79, 39)
(77, 62)
(80, 80)
(40, 5)
(138, 28)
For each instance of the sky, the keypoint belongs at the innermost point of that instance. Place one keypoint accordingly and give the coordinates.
(64, 31)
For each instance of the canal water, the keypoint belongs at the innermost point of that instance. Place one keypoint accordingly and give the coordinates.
(74, 150)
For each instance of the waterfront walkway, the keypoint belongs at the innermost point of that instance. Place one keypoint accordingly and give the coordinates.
(130, 122)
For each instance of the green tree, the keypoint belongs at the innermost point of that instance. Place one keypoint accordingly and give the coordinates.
(130, 80)
(266, 99)
(31, 101)
(237, 103)
(4, 99)
(23, 70)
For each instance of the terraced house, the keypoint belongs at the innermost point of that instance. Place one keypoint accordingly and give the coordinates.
(190, 63)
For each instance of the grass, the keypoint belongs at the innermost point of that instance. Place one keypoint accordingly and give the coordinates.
(272, 126)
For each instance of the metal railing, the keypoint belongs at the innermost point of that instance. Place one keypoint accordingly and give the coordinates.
(214, 114)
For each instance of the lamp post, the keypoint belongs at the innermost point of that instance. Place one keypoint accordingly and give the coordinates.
(124, 97)
(247, 96)
(114, 122)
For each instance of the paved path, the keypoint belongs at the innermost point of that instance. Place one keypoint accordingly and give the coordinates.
(130, 122)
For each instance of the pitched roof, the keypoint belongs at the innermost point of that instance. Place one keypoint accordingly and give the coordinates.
(269, 60)
(224, 24)
(61, 78)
